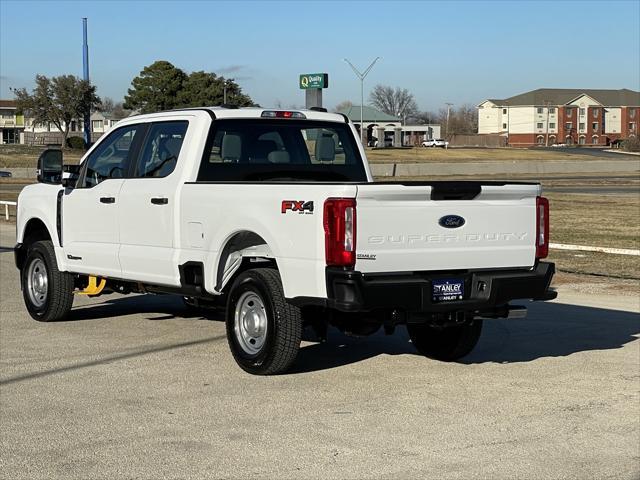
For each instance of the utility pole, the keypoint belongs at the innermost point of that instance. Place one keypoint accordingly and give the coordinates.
(224, 92)
(362, 76)
(449, 105)
(85, 75)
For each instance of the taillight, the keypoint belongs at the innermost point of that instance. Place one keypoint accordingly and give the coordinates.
(340, 231)
(542, 227)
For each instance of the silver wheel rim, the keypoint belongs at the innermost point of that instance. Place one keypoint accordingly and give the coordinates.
(37, 282)
(250, 323)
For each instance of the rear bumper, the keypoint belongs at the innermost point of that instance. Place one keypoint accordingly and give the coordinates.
(485, 290)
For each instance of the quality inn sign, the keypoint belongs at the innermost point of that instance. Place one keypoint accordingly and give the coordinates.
(314, 80)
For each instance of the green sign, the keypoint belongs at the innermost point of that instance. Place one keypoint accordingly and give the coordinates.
(314, 80)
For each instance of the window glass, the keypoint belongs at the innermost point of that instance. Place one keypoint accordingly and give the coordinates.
(110, 158)
(161, 149)
(250, 150)
(552, 110)
(539, 125)
(552, 125)
(540, 110)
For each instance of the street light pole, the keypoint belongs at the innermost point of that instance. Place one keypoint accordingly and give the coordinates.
(448, 104)
(362, 76)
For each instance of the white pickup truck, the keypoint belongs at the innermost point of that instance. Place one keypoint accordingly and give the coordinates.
(274, 215)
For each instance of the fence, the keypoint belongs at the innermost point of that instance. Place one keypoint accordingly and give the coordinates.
(53, 138)
(6, 208)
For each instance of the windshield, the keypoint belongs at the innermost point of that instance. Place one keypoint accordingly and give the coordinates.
(281, 150)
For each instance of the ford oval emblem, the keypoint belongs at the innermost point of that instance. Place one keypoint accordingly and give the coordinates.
(451, 221)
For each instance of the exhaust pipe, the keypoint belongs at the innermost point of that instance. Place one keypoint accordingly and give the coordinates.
(517, 311)
(510, 312)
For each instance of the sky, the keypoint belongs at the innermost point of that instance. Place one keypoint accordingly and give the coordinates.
(454, 51)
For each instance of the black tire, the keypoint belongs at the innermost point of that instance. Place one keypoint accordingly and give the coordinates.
(281, 341)
(53, 303)
(447, 344)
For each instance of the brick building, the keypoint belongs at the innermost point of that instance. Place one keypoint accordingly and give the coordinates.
(550, 116)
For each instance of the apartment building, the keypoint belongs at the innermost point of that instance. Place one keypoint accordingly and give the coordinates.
(11, 123)
(549, 116)
(15, 128)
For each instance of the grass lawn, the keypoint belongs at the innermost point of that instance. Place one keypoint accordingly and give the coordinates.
(12, 156)
(26, 156)
(580, 219)
(419, 155)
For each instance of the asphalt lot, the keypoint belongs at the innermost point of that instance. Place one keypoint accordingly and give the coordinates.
(134, 387)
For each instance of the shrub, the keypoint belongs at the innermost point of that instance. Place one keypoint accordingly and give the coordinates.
(75, 143)
(631, 144)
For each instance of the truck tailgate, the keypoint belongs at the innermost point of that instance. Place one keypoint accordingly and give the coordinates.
(400, 226)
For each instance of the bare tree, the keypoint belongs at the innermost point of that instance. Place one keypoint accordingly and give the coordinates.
(114, 108)
(344, 105)
(398, 102)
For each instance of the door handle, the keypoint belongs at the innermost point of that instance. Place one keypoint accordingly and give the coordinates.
(160, 200)
(107, 200)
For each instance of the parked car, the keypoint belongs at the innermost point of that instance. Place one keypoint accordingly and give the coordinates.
(435, 142)
(274, 216)
(5, 174)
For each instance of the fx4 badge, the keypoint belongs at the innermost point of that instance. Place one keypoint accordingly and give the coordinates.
(299, 206)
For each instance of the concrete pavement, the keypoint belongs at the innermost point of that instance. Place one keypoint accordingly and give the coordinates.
(136, 387)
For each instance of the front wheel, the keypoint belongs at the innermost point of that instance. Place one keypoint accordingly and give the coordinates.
(47, 292)
(445, 343)
(263, 330)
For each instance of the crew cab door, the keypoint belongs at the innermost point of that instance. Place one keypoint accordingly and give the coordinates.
(148, 204)
(90, 231)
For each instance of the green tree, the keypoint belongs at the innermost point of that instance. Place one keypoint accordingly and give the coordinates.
(156, 88)
(58, 100)
(204, 89)
(201, 89)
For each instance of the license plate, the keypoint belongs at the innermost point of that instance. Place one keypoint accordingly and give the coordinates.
(447, 290)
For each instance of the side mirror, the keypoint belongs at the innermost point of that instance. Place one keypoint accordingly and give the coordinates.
(70, 174)
(50, 166)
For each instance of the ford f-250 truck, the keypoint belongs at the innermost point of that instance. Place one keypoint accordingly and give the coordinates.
(274, 214)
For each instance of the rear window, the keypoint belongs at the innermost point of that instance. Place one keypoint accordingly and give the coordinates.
(281, 150)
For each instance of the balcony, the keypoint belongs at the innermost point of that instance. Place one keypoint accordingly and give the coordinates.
(11, 123)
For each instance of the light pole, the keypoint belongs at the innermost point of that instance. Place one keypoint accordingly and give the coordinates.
(224, 91)
(448, 104)
(362, 76)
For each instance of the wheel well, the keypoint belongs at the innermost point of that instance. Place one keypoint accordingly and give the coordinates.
(34, 231)
(243, 251)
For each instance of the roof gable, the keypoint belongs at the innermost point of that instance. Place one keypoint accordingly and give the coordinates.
(584, 100)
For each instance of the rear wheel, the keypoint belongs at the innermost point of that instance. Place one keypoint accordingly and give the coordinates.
(263, 330)
(445, 343)
(47, 292)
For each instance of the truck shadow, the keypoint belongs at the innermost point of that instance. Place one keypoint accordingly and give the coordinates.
(550, 330)
(158, 307)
